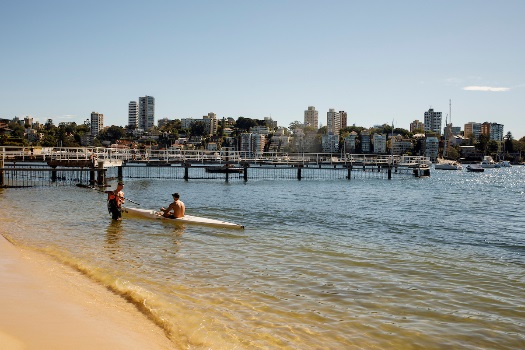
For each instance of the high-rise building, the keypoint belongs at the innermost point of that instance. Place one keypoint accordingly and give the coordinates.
(344, 120)
(493, 130)
(146, 112)
(472, 129)
(496, 132)
(97, 123)
(311, 117)
(433, 121)
(210, 121)
(133, 115)
(333, 122)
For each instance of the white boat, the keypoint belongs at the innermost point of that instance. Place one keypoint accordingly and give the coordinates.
(505, 164)
(488, 162)
(186, 219)
(448, 165)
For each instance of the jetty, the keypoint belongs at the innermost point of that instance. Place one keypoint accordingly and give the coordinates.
(94, 166)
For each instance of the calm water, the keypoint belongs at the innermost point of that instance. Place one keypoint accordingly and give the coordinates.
(433, 263)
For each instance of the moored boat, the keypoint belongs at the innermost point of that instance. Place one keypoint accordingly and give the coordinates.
(448, 165)
(476, 168)
(488, 162)
(224, 169)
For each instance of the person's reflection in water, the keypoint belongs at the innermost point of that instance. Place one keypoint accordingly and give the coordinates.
(176, 234)
(113, 236)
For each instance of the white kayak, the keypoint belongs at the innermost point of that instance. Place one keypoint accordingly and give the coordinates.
(186, 219)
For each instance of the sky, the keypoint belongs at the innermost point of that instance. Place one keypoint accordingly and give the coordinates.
(380, 61)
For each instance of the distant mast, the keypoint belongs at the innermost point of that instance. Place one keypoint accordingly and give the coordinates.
(447, 130)
(450, 110)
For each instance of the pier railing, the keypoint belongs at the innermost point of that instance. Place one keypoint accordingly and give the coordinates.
(24, 166)
(127, 155)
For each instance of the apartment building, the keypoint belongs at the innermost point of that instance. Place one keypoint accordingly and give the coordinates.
(311, 117)
(432, 121)
(97, 123)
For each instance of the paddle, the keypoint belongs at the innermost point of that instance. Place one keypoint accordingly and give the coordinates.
(96, 189)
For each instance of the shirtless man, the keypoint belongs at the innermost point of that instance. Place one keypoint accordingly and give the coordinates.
(177, 206)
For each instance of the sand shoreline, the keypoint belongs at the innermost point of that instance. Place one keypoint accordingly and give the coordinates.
(47, 305)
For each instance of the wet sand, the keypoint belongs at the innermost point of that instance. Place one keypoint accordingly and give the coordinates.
(46, 305)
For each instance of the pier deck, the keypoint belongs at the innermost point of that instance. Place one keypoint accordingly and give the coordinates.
(95, 165)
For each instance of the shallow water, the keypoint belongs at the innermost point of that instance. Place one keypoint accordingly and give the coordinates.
(368, 263)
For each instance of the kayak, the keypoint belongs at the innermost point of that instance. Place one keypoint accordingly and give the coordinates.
(186, 219)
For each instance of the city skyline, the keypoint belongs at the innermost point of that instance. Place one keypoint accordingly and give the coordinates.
(380, 62)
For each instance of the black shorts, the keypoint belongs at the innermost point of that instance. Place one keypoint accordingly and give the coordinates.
(114, 210)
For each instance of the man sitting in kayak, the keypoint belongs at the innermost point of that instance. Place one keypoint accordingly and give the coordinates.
(177, 206)
(115, 200)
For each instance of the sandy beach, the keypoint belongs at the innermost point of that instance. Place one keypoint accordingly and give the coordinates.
(46, 305)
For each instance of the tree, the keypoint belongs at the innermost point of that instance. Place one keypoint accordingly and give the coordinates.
(492, 147)
(48, 141)
(198, 128)
(403, 132)
(244, 124)
(294, 125)
(452, 153)
(482, 143)
(17, 130)
(507, 143)
(112, 134)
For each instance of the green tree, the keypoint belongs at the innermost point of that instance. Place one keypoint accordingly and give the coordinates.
(112, 134)
(17, 130)
(492, 147)
(48, 140)
(452, 153)
(507, 143)
(198, 128)
(482, 144)
(294, 125)
(244, 124)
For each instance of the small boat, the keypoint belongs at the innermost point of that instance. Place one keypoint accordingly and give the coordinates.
(224, 169)
(505, 164)
(488, 162)
(444, 165)
(186, 219)
(476, 168)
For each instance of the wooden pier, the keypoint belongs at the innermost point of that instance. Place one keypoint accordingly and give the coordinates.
(91, 167)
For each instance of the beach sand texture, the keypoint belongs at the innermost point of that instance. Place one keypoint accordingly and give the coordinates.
(46, 305)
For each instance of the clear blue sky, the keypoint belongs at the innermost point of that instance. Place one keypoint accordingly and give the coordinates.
(377, 60)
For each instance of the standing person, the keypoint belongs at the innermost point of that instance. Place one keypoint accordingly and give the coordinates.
(177, 206)
(115, 201)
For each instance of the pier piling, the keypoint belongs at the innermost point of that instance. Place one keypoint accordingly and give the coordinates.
(186, 174)
(1, 173)
(101, 179)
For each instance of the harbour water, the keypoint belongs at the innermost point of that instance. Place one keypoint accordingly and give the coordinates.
(429, 263)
